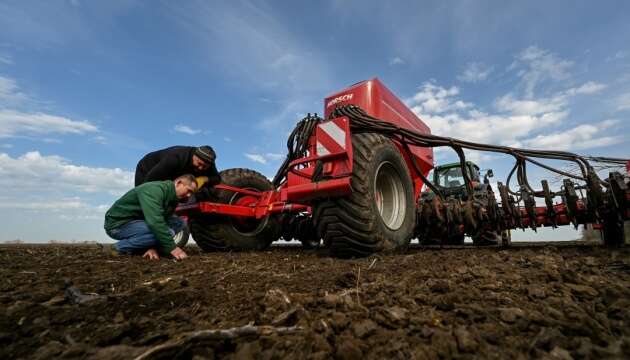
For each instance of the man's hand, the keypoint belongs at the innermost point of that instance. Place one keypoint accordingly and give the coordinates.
(179, 254)
(151, 254)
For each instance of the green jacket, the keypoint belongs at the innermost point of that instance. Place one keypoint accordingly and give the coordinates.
(153, 202)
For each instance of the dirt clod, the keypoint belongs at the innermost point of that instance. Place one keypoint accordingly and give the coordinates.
(465, 341)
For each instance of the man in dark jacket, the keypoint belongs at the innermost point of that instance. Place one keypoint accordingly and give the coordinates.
(169, 163)
(142, 220)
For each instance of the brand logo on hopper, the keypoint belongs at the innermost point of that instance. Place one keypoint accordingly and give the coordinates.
(339, 99)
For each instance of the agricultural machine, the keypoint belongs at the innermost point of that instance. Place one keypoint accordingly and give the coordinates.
(352, 182)
(449, 180)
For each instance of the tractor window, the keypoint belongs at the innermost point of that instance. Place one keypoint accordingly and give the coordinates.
(450, 177)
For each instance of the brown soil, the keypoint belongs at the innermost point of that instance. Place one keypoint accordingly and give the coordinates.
(557, 302)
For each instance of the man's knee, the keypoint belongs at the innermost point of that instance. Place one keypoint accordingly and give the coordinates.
(137, 244)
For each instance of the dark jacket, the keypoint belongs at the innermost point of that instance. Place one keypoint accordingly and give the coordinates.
(153, 202)
(169, 163)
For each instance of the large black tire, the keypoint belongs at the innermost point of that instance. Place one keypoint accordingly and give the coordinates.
(353, 226)
(613, 233)
(456, 240)
(225, 233)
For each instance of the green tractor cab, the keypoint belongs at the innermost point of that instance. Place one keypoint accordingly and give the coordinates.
(449, 180)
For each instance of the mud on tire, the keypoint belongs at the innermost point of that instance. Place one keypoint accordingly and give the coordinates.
(227, 233)
(380, 213)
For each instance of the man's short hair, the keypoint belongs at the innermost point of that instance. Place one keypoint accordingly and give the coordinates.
(186, 178)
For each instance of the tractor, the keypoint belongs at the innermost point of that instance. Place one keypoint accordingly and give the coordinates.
(352, 179)
(449, 179)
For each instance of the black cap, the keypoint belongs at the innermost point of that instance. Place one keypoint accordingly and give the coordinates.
(206, 154)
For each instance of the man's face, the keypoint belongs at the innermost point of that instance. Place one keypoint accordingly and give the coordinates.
(184, 190)
(199, 164)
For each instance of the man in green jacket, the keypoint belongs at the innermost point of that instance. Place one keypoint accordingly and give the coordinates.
(143, 219)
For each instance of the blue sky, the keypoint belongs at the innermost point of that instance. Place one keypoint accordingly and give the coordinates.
(88, 87)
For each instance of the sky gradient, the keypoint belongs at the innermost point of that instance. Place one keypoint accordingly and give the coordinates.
(88, 87)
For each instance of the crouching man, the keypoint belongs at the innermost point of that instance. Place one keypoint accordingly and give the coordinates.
(144, 221)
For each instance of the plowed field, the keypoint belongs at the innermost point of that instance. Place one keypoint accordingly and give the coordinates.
(556, 301)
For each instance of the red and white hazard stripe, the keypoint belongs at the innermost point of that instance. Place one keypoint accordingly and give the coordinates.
(332, 136)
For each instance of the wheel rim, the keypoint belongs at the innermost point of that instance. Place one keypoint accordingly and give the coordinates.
(389, 194)
(246, 225)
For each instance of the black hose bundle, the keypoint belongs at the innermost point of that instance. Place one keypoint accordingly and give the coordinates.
(362, 122)
(297, 145)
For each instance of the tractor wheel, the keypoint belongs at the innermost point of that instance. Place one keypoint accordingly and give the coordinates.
(456, 240)
(613, 233)
(380, 213)
(202, 228)
(226, 233)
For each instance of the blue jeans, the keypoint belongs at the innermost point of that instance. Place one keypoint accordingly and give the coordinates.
(136, 238)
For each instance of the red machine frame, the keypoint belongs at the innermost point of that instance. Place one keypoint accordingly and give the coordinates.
(330, 151)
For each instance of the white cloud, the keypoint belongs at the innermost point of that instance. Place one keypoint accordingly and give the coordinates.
(557, 102)
(256, 158)
(10, 92)
(479, 157)
(6, 146)
(20, 123)
(535, 66)
(227, 139)
(489, 128)
(508, 103)
(54, 205)
(72, 208)
(447, 115)
(590, 87)
(13, 123)
(264, 158)
(35, 172)
(275, 156)
(396, 61)
(516, 120)
(435, 99)
(475, 72)
(185, 129)
(584, 136)
(623, 102)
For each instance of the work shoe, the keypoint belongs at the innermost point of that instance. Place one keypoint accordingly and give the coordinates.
(108, 249)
